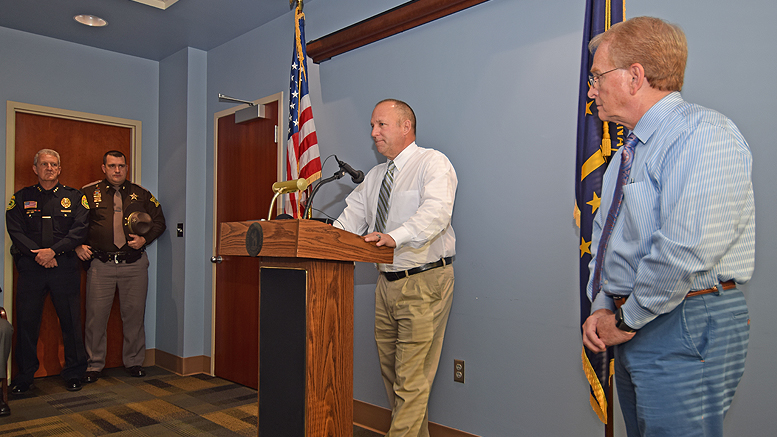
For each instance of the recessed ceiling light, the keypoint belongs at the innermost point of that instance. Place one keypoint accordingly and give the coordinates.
(90, 20)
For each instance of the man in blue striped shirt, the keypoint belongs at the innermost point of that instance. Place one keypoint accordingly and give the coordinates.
(683, 239)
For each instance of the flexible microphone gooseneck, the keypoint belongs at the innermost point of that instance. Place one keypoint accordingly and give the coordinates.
(357, 176)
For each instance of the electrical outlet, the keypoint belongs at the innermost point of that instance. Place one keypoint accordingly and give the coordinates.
(458, 371)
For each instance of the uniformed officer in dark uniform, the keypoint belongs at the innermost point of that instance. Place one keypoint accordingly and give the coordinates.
(118, 258)
(46, 222)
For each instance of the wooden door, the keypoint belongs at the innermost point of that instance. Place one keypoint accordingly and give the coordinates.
(247, 165)
(81, 145)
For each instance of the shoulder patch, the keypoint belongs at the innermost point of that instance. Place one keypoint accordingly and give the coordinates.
(11, 204)
(84, 202)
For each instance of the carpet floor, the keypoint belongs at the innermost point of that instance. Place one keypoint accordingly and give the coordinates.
(160, 404)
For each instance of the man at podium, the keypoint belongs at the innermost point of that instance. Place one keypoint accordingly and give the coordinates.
(406, 203)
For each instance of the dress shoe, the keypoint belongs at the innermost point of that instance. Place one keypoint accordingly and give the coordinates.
(21, 387)
(73, 384)
(136, 372)
(90, 377)
(5, 410)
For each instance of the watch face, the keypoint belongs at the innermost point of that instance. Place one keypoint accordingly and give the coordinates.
(620, 324)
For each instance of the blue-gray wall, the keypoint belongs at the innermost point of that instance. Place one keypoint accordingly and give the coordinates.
(48, 72)
(494, 88)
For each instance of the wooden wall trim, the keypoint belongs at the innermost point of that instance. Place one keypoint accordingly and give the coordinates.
(181, 366)
(378, 419)
(391, 22)
(12, 108)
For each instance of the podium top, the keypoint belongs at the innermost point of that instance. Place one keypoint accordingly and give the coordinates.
(301, 239)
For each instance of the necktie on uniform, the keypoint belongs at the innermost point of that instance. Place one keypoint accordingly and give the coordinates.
(612, 214)
(47, 223)
(118, 219)
(383, 198)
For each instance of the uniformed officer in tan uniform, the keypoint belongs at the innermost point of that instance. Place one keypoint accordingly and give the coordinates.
(118, 258)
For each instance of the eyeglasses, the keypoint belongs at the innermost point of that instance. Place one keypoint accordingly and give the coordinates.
(594, 79)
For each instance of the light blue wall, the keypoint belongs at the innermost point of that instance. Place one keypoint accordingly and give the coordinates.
(183, 300)
(731, 52)
(48, 72)
(494, 88)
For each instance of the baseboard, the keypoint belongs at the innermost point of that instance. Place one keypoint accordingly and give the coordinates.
(378, 419)
(182, 366)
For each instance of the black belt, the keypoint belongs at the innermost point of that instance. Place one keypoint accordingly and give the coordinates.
(393, 276)
(128, 257)
(728, 285)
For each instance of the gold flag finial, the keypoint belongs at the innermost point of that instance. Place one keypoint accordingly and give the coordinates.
(298, 3)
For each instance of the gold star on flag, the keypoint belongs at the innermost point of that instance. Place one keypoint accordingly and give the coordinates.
(595, 203)
(584, 247)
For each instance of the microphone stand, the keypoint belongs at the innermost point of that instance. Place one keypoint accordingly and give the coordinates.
(339, 174)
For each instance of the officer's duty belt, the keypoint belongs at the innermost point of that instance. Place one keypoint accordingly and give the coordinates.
(128, 257)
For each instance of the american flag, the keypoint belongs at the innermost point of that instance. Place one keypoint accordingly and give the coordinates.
(302, 157)
(595, 141)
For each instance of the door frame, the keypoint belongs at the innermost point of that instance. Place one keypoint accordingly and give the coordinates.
(280, 140)
(12, 108)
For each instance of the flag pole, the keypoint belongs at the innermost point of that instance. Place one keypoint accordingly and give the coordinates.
(608, 427)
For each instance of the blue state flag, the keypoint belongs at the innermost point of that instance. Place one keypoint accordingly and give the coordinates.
(595, 142)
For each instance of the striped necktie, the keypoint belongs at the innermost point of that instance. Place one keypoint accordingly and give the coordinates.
(383, 198)
(623, 178)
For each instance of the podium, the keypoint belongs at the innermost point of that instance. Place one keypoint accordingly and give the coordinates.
(305, 321)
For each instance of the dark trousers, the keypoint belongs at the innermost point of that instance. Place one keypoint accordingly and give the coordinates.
(63, 283)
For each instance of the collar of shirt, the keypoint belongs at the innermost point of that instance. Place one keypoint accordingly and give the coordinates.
(651, 120)
(106, 185)
(43, 190)
(405, 155)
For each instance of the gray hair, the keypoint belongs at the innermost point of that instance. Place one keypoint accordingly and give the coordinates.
(51, 152)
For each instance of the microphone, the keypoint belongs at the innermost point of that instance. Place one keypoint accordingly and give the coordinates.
(290, 186)
(357, 176)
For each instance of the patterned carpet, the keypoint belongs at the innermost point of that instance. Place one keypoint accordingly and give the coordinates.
(161, 404)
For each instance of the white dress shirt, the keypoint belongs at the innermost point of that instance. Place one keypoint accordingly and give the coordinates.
(420, 207)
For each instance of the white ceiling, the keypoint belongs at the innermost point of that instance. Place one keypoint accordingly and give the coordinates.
(142, 27)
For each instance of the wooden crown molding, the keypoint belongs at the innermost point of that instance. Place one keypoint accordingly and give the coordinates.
(391, 22)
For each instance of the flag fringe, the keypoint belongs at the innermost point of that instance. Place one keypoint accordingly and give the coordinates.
(598, 398)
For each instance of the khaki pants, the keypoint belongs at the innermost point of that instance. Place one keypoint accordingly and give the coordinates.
(410, 319)
(101, 282)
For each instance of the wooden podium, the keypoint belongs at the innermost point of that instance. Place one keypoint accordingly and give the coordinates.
(305, 321)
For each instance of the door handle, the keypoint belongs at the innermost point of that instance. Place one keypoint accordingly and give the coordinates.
(217, 259)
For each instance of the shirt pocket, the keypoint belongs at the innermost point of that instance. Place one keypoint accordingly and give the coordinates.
(639, 211)
(403, 205)
(101, 212)
(62, 223)
(34, 218)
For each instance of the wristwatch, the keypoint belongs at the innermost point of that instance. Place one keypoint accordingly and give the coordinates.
(620, 324)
